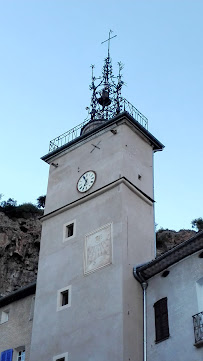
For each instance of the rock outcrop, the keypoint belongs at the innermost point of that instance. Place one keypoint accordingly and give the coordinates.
(167, 239)
(19, 252)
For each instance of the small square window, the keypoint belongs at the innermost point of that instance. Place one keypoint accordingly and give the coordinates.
(69, 230)
(63, 298)
(4, 316)
(62, 357)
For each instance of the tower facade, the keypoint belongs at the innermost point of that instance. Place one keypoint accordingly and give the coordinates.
(98, 223)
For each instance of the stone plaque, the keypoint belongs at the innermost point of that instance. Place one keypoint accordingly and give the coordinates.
(98, 249)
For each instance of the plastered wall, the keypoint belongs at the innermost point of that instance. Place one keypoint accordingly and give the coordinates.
(180, 289)
(16, 332)
(104, 321)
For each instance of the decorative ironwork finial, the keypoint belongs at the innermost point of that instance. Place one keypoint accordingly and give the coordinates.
(106, 103)
(106, 95)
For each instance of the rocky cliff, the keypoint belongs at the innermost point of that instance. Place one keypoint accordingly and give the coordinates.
(167, 239)
(20, 244)
(19, 252)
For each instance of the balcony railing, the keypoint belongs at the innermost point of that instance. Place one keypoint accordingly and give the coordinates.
(75, 132)
(198, 328)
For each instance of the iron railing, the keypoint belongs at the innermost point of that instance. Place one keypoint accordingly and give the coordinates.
(139, 117)
(198, 327)
(66, 137)
(75, 132)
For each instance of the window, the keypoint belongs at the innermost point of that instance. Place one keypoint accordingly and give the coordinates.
(161, 319)
(4, 316)
(21, 355)
(69, 230)
(62, 357)
(63, 298)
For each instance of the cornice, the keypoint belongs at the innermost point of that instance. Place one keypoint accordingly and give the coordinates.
(98, 192)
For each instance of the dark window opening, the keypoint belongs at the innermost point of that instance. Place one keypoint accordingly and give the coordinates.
(64, 298)
(161, 319)
(69, 230)
(61, 359)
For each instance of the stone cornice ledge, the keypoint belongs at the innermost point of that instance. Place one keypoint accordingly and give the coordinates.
(99, 191)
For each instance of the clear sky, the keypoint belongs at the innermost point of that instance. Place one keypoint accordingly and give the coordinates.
(47, 48)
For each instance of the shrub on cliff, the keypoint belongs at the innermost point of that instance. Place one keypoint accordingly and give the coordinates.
(41, 201)
(25, 210)
(197, 223)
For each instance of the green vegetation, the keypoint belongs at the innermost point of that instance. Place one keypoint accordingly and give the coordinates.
(197, 223)
(41, 201)
(25, 210)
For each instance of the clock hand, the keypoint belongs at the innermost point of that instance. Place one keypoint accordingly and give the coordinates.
(84, 180)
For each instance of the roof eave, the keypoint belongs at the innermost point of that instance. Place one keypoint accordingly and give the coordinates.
(171, 257)
(18, 294)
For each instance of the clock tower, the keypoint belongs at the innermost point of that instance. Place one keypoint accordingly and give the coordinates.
(98, 223)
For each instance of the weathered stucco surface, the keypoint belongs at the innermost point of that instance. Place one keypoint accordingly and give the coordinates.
(16, 332)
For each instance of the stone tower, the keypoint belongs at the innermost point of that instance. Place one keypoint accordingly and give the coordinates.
(98, 223)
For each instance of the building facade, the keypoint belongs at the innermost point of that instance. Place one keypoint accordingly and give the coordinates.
(16, 315)
(174, 302)
(87, 302)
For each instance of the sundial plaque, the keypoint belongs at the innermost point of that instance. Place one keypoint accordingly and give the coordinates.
(98, 249)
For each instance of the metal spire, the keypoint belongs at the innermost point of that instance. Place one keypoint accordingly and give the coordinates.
(106, 95)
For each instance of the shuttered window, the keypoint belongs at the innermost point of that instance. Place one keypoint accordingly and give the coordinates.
(161, 319)
(7, 355)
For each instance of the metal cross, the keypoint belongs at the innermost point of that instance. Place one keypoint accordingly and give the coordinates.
(109, 40)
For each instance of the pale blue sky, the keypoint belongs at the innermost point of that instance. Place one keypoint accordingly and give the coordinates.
(47, 48)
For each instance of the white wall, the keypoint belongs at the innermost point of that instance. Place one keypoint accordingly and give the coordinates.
(123, 154)
(104, 321)
(180, 289)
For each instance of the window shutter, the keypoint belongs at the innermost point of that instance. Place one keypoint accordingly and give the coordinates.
(161, 319)
(7, 355)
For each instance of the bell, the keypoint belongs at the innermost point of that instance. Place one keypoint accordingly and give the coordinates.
(104, 100)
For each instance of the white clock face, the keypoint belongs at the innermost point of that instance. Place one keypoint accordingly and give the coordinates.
(86, 181)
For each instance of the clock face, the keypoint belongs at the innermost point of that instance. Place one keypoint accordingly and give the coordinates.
(86, 181)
